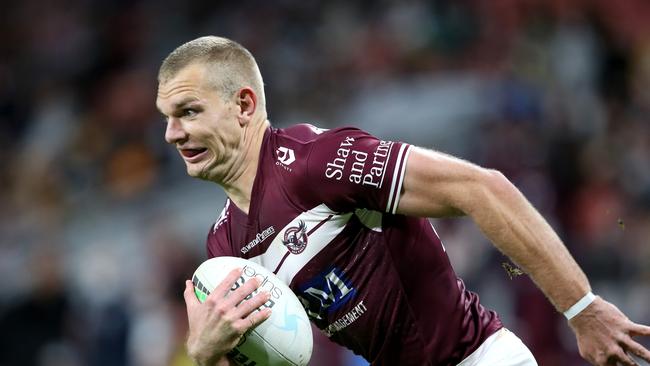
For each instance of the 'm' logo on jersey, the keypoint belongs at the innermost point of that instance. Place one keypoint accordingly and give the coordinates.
(295, 238)
(326, 293)
(285, 155)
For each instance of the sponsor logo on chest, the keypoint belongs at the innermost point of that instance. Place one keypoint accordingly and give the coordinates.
(295, 238)
(324, 294)
(259, 238)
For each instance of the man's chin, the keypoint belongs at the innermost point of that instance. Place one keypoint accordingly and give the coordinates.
(196, 172)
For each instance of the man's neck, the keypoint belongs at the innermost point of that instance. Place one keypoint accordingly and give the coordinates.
(239, 185)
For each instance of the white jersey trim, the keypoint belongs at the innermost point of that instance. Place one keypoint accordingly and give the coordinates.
(223, 217)
(322, 225)
(502, 348)
(398, 179)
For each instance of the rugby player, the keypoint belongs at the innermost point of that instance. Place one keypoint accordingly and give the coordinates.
(341, 217)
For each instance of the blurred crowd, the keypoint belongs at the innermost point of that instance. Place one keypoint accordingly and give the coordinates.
(100, 226)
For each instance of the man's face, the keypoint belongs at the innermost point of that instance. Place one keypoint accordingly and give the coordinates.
(203, 127)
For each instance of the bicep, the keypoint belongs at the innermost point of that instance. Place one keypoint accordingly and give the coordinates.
(440, 185)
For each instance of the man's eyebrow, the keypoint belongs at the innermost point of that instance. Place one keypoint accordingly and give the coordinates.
(183, 102)
(179, 105)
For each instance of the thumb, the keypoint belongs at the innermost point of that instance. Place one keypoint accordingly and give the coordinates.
(188, 294)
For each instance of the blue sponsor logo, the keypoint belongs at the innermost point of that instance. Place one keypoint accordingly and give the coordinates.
(326, 293)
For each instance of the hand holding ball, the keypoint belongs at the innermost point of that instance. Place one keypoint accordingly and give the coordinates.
(284, 338)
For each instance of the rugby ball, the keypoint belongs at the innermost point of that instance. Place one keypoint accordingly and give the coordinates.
(285, 338)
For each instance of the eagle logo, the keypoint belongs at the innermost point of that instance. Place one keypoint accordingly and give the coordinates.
(295, 238)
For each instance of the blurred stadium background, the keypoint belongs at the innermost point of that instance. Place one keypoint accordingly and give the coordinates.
(99, 225)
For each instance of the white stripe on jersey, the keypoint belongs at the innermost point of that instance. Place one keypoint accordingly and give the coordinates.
(394, 180)
(398, 191)
(317, 241)
(398, 176)
(222, 217)
(434, 230)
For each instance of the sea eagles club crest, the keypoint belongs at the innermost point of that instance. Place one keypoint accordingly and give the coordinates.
(295, 238)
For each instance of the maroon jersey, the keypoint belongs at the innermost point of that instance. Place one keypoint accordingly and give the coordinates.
(322, 217)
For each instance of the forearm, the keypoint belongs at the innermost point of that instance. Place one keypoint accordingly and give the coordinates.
(521, 233)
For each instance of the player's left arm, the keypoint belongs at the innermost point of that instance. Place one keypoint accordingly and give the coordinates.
(439, 185)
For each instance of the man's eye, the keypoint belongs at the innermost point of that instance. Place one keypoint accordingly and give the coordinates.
(189, 112)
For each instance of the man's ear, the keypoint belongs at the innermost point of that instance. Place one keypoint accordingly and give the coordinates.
(247, 102)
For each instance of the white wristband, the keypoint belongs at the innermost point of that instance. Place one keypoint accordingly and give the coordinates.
(580, 305)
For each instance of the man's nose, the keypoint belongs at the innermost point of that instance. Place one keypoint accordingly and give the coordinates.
(175, 132)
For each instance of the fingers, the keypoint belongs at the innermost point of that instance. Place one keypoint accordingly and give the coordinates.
(637, 349)
(245, 315)
(221, 291)
(245, 308)
(239, 306)
(622, 358)
(242, 292)
(235, 299)
(639, 330)
(256, 318)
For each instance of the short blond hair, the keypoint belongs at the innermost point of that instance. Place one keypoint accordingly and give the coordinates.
(229, 66)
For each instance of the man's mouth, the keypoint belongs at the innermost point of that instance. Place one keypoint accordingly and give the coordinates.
(190, 153)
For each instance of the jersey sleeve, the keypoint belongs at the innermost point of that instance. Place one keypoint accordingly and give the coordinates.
(348, 168)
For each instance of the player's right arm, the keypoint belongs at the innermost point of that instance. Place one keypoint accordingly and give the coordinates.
(217, 325)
